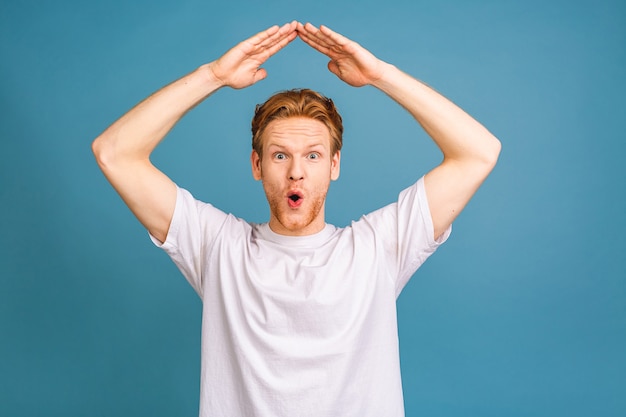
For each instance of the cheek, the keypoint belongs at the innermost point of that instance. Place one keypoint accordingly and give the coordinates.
(269, 173)
(271, 182)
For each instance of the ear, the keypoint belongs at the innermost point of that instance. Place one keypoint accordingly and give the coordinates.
(255, 161)
(335, 164)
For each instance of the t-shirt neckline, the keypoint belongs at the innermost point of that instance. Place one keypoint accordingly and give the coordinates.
(266, 233)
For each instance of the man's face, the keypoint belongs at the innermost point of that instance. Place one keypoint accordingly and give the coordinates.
(296, 171)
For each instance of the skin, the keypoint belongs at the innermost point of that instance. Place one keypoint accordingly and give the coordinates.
(122, 151)
(469, 150)
(297, 160)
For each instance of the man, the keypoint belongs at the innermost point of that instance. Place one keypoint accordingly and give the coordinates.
(299, 316)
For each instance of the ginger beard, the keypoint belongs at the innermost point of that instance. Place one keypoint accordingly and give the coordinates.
(299, 220)
(296, 170)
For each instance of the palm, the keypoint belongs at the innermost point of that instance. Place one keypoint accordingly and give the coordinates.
(240, 66)
(354, 65)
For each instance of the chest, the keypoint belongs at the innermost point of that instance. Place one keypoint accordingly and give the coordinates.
(301, 293)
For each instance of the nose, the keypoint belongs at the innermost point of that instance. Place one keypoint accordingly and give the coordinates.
(295, 171)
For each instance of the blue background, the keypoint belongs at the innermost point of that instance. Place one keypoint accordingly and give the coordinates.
(521, 313)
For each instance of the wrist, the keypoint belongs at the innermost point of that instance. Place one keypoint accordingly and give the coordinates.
(210, 77)
(386, 74)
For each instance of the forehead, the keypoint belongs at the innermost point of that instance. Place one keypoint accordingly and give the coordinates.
(296, 129)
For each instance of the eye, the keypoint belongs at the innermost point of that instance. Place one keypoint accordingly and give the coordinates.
(314, 155)
(280, 156)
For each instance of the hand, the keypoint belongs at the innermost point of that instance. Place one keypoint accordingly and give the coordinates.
(240, 66)
(349, 61)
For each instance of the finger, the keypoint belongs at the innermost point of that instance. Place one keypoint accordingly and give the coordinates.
(308, 34)
(285, 31)
(320, 36)
(306, 28)
(315, 44)
(270, 41)
(333, 36)
(327, 41)
(316, 36)
(272, 35)
(275, 43)
(270, 46)
(284, 36)
(289, 27)
(307, 31)
(264, 35)
(281, 43)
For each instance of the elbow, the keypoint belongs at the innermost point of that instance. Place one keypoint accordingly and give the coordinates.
(112, 156)
(103, 151)
(493, 153)
(98, 147)
(486, 159)
(488, 152)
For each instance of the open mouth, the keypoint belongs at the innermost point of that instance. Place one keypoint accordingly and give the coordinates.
(294, 199)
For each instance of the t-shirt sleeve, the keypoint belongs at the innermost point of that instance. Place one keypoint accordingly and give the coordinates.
(407, 232)
(192, 231)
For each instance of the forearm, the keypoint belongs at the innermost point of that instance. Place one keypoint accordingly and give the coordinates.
(457, 134)
(134, 136)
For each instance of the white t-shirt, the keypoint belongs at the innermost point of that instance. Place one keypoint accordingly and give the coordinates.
(301, 326)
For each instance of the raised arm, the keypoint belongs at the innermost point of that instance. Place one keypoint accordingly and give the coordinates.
(123, 150)
(469, 151)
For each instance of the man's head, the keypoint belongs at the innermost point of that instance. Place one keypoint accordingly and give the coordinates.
(297, 103)
(296, 153)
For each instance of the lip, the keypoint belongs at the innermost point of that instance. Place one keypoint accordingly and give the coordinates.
(295, 203)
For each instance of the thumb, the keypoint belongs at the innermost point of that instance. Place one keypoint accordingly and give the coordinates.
(332, 67)
(260, 74)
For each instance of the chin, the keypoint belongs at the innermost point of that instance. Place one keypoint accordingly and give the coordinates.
(299, 225)
(294, 226)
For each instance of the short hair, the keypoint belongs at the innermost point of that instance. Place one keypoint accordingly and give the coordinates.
(297, 103)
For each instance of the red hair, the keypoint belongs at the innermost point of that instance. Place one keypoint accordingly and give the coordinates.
(297, 103)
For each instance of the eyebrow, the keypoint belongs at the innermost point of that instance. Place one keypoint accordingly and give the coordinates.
(279, 146)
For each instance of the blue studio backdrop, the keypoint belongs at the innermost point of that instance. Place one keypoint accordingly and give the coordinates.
(521, 313)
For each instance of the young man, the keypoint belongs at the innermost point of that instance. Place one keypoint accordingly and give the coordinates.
(299, 316)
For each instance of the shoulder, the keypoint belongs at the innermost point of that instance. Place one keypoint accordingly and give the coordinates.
(410, 199)
(199, 221)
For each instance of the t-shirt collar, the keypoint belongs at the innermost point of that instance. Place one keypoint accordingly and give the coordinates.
(314, 240)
